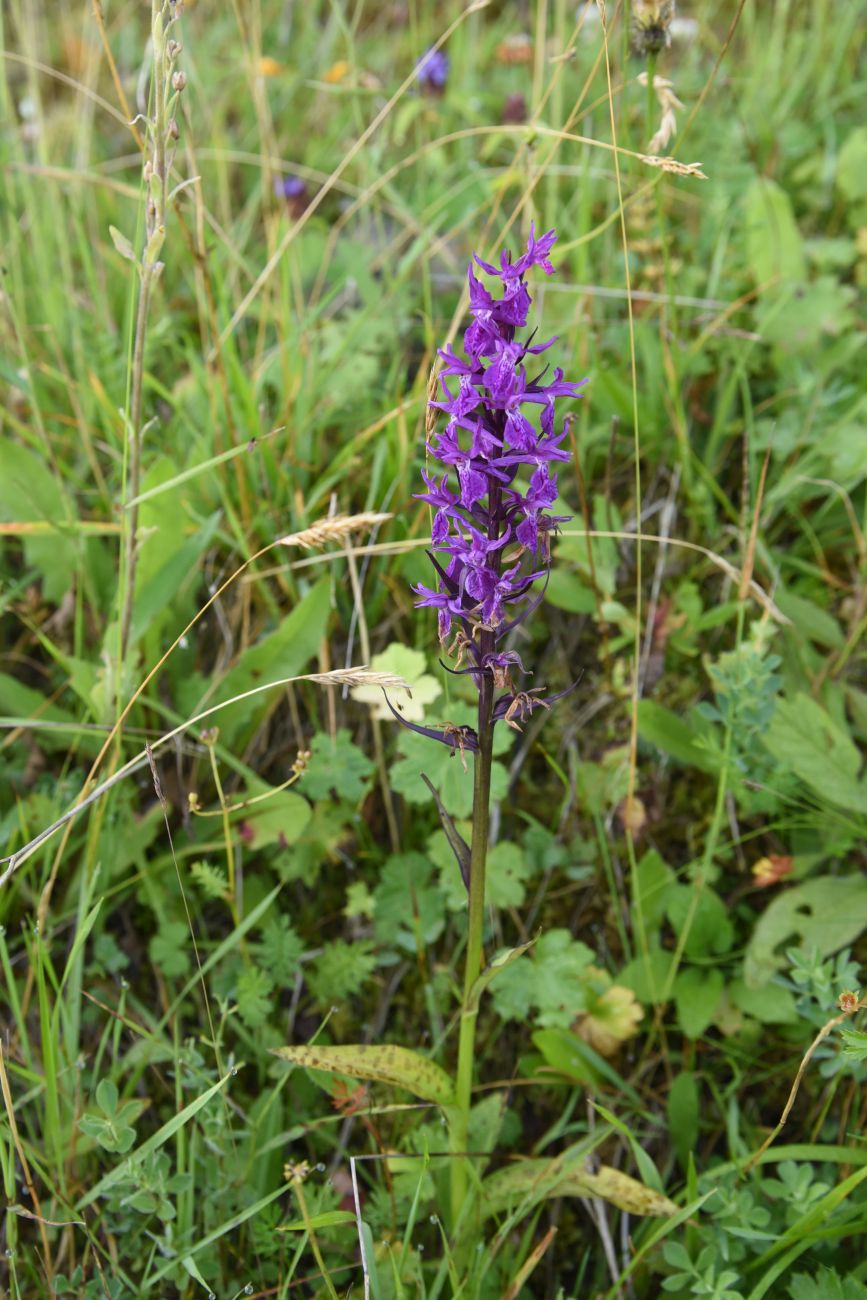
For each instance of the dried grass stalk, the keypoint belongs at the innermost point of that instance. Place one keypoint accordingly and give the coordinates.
(332, 529)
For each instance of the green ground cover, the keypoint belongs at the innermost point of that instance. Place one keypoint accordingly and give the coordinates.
(212, 362)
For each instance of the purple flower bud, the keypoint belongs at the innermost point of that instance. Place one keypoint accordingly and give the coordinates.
(503, 438)
(289, 187)
(294, 190)
(432, 72)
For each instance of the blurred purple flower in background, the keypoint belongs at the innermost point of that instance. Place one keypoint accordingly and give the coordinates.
(432, 72)
(500, 449)
(294, 190)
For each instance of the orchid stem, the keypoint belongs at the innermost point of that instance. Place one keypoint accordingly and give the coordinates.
(475, 931)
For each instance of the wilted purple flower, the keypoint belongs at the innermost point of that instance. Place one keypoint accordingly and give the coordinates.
(432, 72)
(500, 448)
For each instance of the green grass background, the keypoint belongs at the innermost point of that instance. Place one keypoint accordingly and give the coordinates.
(152, 957)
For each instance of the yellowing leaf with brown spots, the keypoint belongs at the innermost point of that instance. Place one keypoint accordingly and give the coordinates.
(388, 1064)
(532, 1181)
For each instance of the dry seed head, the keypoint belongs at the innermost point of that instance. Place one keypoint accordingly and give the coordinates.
(333, 529)
(179, 80)
(651, 26)
(172, 130)
(672, 165)
(359, 677)
(668, 102)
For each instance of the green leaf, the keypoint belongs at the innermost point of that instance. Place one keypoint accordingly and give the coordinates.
(810, 620)
(853, 1043)
(531, 1181)
(852, 166)
(339, 971)
(683, 740)
(485, 1122)
(797, 317)
(282, 818)
(30, 492)
(168, 950)
(682, 1109)
(336, 765)
(212, 881)
(650, 885)
(826, 1285)
(443, 767)
(254, 997)
(550, 985)
(647, 975)
(389, 1064)
(508, 870)
(771, 1004)
(106, 1097)
(285, 652)
(28, 704)
(408, 907)
(826, 913)
(565, 1054)
(280, 949)
(697, 995)
(806, 740)
(495, 967)
(180, 571)
(710, 930)
(569, 592)
(122, 244)
(328, 1219)
(155, 1141)
(775, 250)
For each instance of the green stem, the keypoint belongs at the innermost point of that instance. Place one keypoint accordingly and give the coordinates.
(475, 930)
(651, 73)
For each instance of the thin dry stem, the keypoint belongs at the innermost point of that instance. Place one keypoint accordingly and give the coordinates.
(25, 1167)
(349, 676)
(852, 1005)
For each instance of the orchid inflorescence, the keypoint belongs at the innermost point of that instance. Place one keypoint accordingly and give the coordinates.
(491, 527)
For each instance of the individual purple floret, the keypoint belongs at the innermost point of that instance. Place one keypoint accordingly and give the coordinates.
(432, 72)
(500, 449)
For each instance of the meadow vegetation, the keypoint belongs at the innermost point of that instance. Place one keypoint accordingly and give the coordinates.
(233, 240)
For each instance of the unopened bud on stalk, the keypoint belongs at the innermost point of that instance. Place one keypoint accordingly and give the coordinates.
(173, 49)
(179, 80)
(148, 171)
(173, 131)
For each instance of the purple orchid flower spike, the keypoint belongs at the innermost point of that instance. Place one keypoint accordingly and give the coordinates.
(491, 530)
(500, 449)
